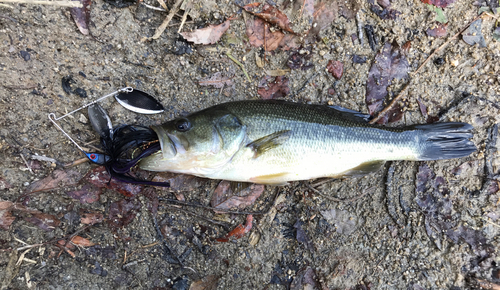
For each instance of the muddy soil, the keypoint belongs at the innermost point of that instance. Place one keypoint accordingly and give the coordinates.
(380, 235)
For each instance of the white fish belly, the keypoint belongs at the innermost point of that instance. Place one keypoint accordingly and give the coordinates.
(306, 159)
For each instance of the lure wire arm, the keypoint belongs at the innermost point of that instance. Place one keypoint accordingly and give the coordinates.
(53, 118)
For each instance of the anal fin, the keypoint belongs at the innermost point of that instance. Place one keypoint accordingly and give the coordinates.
(364, 168)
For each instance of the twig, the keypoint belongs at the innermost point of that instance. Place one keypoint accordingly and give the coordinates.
(240, 64)
(76, 162)
(153, 7)
(165, 23)
(44, 158)
(26, 162)
(184, 18)
(7, 17)
(400, 95)
(211, 208)
(162, 4)
(360, 29)
(76, 4)
(226, 227)
(305, 84)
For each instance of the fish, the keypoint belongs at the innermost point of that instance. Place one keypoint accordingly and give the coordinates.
(275, 142)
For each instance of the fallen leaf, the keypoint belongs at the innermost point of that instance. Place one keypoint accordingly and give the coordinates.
(423, 110)
(270, 88)
(122, 212)
(390, 63)
(4, 184)
(9, 209)
(385, 12)
(207, 35)
(91, 218)
(306, 279)
(6, 217)
(440, 17)
(257, 28)
(58, 178)
(251, 6)
(277, 72)
(433, 197)
(207, 283)
(179, 182)
(100, 178)
(225, 198)
(46, 222)
(496, 33)
(345, 223)
(301, 235)
(300, 59)
(87, 194)
(473, 34)
(216, 80)
(336, 68)
(358, 59)
(349, 8)
(239, 231)
(80, 241)
(271, 15)
(437, 31)
(438, 3)
(81, 16)
(324, 14)
(290, 41)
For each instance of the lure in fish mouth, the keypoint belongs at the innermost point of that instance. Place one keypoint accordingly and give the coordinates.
(273, 142)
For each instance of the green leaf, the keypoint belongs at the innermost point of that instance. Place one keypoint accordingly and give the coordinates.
(484, 9)
(440, 17)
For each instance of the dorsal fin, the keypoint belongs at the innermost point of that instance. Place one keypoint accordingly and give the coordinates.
(351, 114)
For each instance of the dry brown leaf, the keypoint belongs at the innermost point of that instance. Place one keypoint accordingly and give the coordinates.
(83, 242)
(256, 29)
(216, 80)
(45, 221)
(6, 217)
(56, 179)
(207, 35)
(179, 182)
(272, 15)
(91, 218)
(207, 283)
(81, 16)
(438, 31)
(273, 88)
(225, 198)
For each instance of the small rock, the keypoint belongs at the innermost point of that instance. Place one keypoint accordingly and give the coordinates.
(25, 55)
(83, 119)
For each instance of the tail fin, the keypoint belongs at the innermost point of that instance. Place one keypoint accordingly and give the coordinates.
(445, 140)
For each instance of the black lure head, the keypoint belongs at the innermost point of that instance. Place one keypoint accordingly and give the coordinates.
(124, 146)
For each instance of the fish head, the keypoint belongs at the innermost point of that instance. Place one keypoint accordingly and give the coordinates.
(198, 144)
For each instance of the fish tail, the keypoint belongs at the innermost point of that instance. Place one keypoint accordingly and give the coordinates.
(444, 141)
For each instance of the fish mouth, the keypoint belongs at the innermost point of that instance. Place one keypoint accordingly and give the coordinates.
(170, 144)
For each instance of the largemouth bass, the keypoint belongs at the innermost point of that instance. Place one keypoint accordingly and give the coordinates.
(273, 142)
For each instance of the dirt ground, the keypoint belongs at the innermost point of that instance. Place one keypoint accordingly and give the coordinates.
(377, 232)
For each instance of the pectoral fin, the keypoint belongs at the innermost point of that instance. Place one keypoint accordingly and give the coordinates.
(269, 142)
(364, 168)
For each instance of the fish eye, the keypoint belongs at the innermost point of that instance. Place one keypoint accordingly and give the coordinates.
(182, 125)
